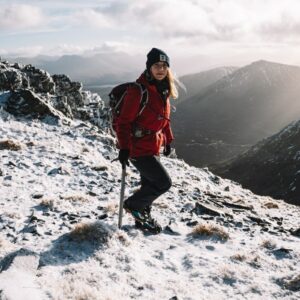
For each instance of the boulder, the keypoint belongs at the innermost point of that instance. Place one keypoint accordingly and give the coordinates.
(25, 102)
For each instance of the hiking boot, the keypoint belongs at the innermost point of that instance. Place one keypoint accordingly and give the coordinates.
(143, 219)
(139, 216)
(150, 225)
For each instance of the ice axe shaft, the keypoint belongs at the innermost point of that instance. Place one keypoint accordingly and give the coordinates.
(122, 195)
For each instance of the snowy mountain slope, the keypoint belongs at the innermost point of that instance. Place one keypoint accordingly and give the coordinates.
(271, 167)
(62, 176)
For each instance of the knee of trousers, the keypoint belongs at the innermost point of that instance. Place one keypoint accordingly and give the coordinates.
(164, 185)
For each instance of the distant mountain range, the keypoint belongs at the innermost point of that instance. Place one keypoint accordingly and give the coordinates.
(271, 167)
(233, 113)
(99, 69)
(194, 83)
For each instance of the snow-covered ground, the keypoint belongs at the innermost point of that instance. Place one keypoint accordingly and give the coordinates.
(59, 199)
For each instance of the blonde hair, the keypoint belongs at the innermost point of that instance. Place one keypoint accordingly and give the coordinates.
(172, 82)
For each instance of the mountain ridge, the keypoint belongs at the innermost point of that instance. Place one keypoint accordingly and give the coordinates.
(241, 108)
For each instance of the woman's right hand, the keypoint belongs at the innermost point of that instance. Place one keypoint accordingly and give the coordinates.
(124, 157)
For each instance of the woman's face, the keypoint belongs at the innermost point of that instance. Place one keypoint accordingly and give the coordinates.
(159, 70)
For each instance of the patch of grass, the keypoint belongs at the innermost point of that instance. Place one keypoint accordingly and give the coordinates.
(227, 275)
(161, 205)
(111, 208)
(75, 198)
(293, 284)
(122, 238)
(99, 168)
(13, 215)
(47, 203)
(271, 205)
(10, 145)
(93, 232)
(268, 244)
(255, 262)
(85, 150)
(238, 257)
(210, 230)
(30, 144)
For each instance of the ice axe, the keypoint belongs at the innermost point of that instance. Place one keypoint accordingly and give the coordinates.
(122, 195)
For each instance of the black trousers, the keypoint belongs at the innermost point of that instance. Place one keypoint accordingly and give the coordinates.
(155, 181)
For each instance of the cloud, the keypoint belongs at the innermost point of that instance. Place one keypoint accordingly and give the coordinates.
(284, 28)
(20, 17)
(91, 17)
(67, 49)
(198, 21)
(22, 51)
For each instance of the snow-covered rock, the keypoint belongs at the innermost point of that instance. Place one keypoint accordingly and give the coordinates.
(59, 91)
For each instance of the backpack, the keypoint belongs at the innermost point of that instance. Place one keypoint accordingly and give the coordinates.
(116, 97)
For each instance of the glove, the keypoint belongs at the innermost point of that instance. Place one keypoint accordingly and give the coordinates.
(123, 157)
(167, 150)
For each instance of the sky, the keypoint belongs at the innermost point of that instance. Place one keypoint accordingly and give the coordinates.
(209, 32)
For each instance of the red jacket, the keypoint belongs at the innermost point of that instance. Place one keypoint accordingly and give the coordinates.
(155, 118)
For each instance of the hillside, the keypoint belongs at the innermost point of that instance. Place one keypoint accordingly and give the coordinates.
(194, 83)
(237, 111)
(271, 167)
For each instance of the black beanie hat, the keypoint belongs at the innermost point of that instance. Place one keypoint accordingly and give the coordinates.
(155, 55)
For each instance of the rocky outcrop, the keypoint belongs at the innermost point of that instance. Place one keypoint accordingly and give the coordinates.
(25, 102)
(35, 92)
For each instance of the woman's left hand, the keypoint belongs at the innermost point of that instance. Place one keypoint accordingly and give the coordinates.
(167, 150)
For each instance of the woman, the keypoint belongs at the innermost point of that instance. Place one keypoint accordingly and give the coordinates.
(141, 136)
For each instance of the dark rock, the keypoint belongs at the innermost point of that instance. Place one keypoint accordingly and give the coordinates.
(295, 232)
(239, 224)
(265, 229)
(206, 209)
(208, 218)
(192, 223)
(92, 194)
(259, 221)
(100, 168)
(11, 79)
(168, 229)
(25, 102)
(8, 177)
(246, 229)
(282, 250)
(102, 217)
(59, 170)
(215, 179)
(72, 217)
(37, 196)
(39, 80)
(238, 206)
(33, 229)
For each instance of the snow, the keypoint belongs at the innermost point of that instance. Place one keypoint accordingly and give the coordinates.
(40, 211)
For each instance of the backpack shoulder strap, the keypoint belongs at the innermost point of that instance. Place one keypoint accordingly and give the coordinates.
(144, 97)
